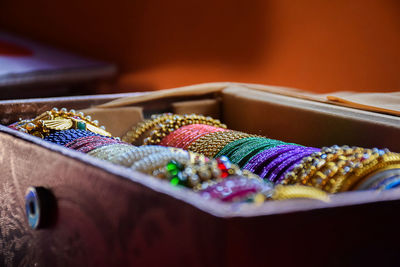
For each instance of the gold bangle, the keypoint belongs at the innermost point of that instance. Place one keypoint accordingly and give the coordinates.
(374, 165)
(212, 143)
(282, 192)
(311, 165)
(138, 130)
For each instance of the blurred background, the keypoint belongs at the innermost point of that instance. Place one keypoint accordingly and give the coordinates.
(319, 46)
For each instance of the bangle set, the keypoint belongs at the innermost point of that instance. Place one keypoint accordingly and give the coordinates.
(331, 169)
(212, 178)
(200, 153)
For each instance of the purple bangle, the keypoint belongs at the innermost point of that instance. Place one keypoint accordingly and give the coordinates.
(268, 169)
(277, 174)
(88, 143)
(262, 158)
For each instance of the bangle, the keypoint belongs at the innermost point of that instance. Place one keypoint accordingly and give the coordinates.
(282, 192)
(186, 135)
(212, 143)
(111, 153)
(131, 156)
(265, 156)
(235, 145)
(374, 180)
(306, 169)
(58, 120)
(249, 149)
(161, 130)
(341, 169)
(154, 161)
(88, 143)
(67, 136)
(368, 166)
(138, 130)
(277, 174)
(291, 155)
(336, 175)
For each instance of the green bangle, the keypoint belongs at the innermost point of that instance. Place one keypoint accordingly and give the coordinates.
(233, 146)
(248, 150)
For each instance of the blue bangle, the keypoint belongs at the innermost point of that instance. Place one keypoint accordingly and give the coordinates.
(66, 136)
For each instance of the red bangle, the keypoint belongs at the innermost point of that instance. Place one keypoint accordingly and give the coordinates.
(185, 135)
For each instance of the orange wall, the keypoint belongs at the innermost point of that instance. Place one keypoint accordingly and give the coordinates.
(316, 45)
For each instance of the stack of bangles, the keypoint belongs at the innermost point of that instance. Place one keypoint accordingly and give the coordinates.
(200, 153)
(331, 169)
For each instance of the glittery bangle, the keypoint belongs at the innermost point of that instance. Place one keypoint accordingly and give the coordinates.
(277, 174)
(262, 158)
(249, 149)
(230, 148)
(88, 143)
(212, 143)
(269, 168)
(185, 135)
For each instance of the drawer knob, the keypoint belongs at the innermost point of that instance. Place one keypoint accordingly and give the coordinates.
(39, 207)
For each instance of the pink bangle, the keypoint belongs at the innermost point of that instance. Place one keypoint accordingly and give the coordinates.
(185, 135)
